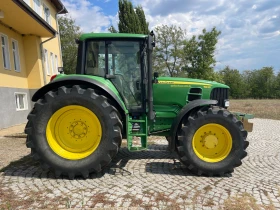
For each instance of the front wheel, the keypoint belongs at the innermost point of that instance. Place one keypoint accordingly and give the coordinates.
(73, 131)
(211, 142)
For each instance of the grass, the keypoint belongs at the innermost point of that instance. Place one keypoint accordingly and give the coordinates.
(245, 202)
(268, 109)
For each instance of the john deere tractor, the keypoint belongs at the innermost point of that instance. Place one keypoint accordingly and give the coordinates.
(78, 121)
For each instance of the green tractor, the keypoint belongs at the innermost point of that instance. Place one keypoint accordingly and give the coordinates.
(78, 121)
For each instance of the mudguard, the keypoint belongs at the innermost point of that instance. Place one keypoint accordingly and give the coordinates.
(74, 80)
(185, 111)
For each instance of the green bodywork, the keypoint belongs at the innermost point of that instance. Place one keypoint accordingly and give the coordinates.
(170, 94)
(104, 81)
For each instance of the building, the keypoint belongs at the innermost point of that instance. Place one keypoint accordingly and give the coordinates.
(30, 54)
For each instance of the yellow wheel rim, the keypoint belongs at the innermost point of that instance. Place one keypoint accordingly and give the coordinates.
(212, 143)
(74, 132)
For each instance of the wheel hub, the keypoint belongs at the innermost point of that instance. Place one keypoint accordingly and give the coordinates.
(78, 129)
(210, 141)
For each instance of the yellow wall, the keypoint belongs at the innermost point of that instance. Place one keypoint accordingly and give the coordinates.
(11, 78)
(33, 62)
(53, 11)
(31, 75)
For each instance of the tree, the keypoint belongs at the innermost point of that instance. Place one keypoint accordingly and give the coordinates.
(128, 20)
(131, 20)
(262, 83)
(69, 32)
(168, 50)
(199, 55)
(144, 25)
(277, 86)
(112, 29)
(234, 80)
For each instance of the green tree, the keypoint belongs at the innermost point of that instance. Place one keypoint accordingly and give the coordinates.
(69, 32)
(262, 83)
(234, 80)
(168, 52)
(277, 86)
(199, 55)
(128, 20)
(144, 25)
(112, 29)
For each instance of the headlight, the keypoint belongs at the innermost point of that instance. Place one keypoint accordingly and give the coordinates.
(226, 103)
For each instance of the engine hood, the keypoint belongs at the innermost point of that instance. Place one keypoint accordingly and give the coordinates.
(190, 81)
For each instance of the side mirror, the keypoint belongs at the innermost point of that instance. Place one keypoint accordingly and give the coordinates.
(155, 80)
(155, 74)
(60, 70)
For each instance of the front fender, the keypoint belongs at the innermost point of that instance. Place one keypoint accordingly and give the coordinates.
(185, 111)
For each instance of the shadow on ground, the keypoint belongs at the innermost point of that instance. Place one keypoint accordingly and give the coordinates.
(27, 167)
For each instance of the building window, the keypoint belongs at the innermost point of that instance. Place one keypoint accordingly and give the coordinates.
(47, 14)
(16, 55)
(52, 64)
(37, 6)
(21, 101)
(27, 2)
(47, 66)
(5, 51)
(56, 64)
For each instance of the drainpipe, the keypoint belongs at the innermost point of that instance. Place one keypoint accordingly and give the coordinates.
(57, 25)
(43, 58)
(42, 49)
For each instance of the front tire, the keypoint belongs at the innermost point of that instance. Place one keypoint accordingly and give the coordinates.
(211, 142)
(73, 131)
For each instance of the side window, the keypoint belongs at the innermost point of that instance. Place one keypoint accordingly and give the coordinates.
(16, 55)
(21, 101)
(95, 58)
(5, 51)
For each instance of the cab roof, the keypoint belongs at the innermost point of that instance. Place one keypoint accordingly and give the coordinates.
(111, 35)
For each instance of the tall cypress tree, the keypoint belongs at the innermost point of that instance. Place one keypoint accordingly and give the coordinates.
(144, 25)
(132, 20)
(128, 20)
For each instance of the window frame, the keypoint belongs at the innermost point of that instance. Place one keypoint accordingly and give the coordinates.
(35, 7)
(46, 62)
(47, 19)
(17, 54)
(25, 102)
(7, 51)
(56, 63)
(27, 2)
(52, 62)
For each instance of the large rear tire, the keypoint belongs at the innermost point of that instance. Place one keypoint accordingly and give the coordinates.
(73, 131)
(211, 142)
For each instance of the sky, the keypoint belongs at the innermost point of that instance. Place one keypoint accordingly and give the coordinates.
(250, 36)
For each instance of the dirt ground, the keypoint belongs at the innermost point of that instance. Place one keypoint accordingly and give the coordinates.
(12, 141)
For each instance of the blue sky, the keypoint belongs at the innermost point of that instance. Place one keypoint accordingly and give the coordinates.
(250, 36)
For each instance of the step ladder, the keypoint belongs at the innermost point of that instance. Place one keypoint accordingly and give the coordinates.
(137, 128)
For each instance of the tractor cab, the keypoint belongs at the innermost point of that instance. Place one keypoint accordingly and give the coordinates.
(121, 59)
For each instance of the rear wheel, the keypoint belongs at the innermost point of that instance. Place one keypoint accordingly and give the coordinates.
(74, 131)
(211, 142)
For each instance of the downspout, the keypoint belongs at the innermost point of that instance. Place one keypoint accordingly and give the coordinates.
(42, 49)
(58, 31)
(43, 58)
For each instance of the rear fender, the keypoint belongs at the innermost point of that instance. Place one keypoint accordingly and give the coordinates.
(90, 83)
(185, 111)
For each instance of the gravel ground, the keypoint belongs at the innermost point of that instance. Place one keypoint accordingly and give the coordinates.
(147, 180)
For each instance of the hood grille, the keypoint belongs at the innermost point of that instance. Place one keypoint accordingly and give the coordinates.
(220, 94)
